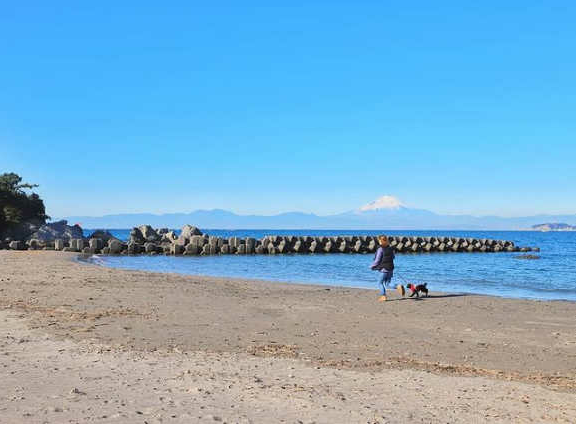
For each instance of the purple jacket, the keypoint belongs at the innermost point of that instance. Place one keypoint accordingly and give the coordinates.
(384, 259)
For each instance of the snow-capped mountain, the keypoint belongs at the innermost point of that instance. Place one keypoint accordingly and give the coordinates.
(384, 202)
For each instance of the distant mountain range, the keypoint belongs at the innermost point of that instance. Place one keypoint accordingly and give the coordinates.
(384, 213)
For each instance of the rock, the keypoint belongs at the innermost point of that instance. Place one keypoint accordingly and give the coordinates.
(77, 244)
(192, 249)
(149, 234)
(35, 244)
(206, 249)
(250, 245)
(298, 246)
(150, 247)
(372, 246)
(176, 249)
(313, 247)
(134, 248)
(96, 243)
(282, 247)
(103, 235)
(58, 244)
(54, 230)
(80, 244)
(115, 247)
(199, 241)
(17, 245)
(169, 236)
(186, 234)
(144, 233)
(233, 241)
(136, 236)
(241, 249)
(530, 257)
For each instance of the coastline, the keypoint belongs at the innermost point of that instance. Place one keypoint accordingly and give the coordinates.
(85, 260)
(294, 269)
(447, 339)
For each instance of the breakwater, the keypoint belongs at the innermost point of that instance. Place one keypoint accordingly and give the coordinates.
(191, 241)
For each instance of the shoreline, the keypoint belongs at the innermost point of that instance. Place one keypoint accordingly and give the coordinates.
(85, 259)
(252, 335)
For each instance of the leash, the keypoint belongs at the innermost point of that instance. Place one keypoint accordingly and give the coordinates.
(402, 278)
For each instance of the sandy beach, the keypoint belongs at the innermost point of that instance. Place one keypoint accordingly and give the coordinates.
(83, 343)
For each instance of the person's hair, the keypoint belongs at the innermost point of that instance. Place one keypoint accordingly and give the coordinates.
(382, 239)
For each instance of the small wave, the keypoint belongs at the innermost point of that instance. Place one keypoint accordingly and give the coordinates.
(94, 259)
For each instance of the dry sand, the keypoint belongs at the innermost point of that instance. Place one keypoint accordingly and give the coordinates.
(81, 343)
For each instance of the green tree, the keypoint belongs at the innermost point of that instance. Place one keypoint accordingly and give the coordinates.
(16, 205)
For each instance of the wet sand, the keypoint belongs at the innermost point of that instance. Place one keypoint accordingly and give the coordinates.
(141, 347)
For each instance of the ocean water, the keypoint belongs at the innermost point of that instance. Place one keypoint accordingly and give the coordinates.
(552, 277)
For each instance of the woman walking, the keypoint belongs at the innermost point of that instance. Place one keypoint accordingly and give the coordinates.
(384, 262)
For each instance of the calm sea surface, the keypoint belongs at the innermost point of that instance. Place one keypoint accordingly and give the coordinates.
(551, 277)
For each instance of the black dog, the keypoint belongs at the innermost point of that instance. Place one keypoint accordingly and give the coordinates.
(416, 290)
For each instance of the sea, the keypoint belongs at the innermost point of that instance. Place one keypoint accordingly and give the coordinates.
(551, 277)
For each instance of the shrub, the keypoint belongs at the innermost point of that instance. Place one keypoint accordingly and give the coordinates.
(18, 207)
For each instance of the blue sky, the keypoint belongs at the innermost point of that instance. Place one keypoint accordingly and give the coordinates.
(263, 107)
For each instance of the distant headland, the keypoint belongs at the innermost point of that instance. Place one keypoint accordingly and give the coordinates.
(554, 226)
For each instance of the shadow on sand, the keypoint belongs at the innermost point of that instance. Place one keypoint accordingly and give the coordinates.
(432, 296)
(441, 296)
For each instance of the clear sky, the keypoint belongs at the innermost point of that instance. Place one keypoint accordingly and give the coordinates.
(263, 107)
